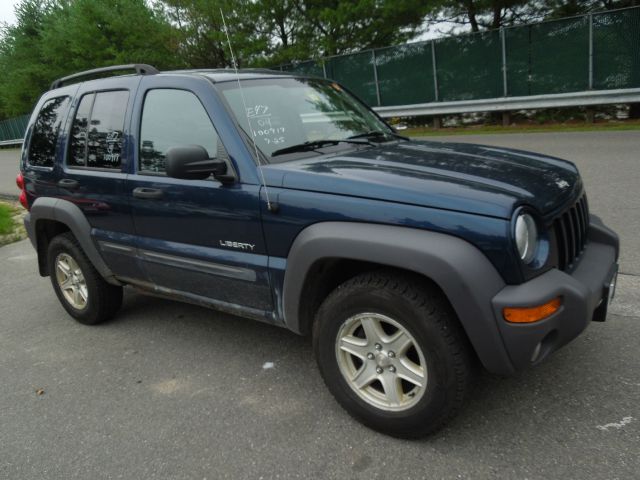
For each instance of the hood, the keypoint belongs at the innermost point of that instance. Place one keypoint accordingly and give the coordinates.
(469, 178)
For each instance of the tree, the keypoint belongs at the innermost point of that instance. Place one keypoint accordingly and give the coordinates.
(21, 60)
(337, 26)
(82, 34)
(53, 38)
(487, 14)
(202, 36)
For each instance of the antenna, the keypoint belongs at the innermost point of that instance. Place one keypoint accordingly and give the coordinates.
(270, 206)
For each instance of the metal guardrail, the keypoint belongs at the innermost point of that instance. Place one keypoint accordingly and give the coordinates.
(504, 104)
(9, 143)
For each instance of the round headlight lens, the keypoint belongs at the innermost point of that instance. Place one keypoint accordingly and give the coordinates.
(526, 237)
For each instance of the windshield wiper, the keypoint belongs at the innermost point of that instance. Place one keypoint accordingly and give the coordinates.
(312, 145)
(378, 133)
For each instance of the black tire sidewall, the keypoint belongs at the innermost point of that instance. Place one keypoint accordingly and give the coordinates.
(426, 331)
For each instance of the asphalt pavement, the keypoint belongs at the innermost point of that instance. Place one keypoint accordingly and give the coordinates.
(9, 168)
(168, 390)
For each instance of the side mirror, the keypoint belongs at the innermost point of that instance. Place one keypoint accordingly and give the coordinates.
(193, 163)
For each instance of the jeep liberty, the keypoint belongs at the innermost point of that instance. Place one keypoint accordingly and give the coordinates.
(285, 199)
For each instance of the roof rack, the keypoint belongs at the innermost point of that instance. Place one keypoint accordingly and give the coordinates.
(140, 69)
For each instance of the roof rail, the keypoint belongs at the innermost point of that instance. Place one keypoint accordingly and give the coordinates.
(140, 69)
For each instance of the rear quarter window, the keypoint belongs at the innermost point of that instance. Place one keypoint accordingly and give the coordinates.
(44, 135)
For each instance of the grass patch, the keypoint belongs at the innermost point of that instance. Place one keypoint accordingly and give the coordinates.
(527, 128)
(6, 219)
(11, 228)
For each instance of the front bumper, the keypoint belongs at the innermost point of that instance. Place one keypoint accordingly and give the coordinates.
(584, 292)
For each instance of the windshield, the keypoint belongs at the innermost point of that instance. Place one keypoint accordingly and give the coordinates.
(288, 112)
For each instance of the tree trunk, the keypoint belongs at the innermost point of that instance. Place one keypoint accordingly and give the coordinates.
(497, 15)
(471, 12)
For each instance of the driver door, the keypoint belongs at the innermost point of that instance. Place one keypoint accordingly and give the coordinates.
(197, 238)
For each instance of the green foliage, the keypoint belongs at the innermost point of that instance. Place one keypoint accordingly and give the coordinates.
(53, 38)
(87, 33)
(336, 26)
(202, 37)
(20, 59)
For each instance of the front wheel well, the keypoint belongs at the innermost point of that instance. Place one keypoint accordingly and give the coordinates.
(46, 230)
(327, 274)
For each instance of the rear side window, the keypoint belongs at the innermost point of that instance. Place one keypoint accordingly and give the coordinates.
(44, 136)
(96, 134)
(173, 118)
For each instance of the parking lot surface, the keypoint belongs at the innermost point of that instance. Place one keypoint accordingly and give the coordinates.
(168, 390)
(8, 170)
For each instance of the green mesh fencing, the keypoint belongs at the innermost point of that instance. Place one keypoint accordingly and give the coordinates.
(616, 49)
(405, 74)
(356, 73)
(548, 57)
(13, 128)
(469, 66)
(542, 58)
(309, 67)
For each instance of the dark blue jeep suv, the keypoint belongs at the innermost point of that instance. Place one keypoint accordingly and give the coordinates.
(285, 199)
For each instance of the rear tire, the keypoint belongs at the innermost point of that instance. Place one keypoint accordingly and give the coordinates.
(393, 353)
(84, 294)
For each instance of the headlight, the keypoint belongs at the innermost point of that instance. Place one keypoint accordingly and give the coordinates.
(526, 237)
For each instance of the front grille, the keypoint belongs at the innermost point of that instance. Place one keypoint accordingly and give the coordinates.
(571, 233)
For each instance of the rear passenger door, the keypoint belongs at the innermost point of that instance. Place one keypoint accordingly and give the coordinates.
(197, 238)
(93, 174)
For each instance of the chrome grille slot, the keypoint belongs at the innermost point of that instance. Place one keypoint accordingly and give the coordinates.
(571, 229)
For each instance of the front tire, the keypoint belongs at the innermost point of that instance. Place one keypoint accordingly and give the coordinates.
(84, 294)
(392, 352)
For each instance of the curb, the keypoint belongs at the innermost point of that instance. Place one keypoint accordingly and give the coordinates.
(9, 196)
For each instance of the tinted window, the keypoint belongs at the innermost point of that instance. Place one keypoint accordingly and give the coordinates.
(172, 118)
(97, 130)
(42, 149)
(78, 145)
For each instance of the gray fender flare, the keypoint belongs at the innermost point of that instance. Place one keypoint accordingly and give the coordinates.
(65, 212)
(464, 274)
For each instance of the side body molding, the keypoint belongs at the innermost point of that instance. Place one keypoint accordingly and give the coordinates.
(464, 274)
(65, 212)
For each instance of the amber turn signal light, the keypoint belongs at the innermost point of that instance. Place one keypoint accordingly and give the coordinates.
(532, 314)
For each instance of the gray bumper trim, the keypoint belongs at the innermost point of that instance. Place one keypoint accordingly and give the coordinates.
(582, 292)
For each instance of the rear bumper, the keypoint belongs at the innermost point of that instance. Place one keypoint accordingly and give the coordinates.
(584, 292)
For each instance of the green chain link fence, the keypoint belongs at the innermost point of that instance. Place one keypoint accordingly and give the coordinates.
(599, 51)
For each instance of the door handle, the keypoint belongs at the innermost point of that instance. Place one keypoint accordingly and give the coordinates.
(148, 193)
(68, 183)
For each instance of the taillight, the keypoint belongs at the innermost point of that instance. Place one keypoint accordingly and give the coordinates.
(23, 192)
(23, 199)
